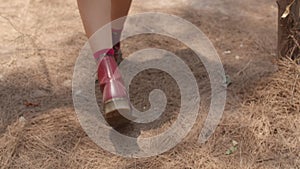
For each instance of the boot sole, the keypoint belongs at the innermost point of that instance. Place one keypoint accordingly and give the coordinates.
(112, 111)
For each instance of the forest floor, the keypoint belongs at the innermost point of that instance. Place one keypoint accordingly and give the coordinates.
(41, 40)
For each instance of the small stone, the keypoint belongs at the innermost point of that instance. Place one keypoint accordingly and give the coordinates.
(67, 83)
(237, 57)
(227, 52)
(234, 143)
(22, 119)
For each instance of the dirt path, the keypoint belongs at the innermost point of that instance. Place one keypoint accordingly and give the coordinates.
(40, 41)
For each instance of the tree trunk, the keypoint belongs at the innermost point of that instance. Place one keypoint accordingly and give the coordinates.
(289, 29)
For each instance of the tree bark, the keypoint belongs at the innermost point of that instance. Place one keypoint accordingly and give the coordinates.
(288, 29)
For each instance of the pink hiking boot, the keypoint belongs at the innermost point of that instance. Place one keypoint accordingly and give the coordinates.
(114, 94)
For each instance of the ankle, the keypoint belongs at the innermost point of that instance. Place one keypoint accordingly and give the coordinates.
(116, 36)
(98, 56)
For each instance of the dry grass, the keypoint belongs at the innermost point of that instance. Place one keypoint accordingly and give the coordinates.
(262, 114)
(267, 130)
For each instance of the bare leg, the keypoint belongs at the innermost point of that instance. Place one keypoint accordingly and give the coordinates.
(119, 8)
(95, 14)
